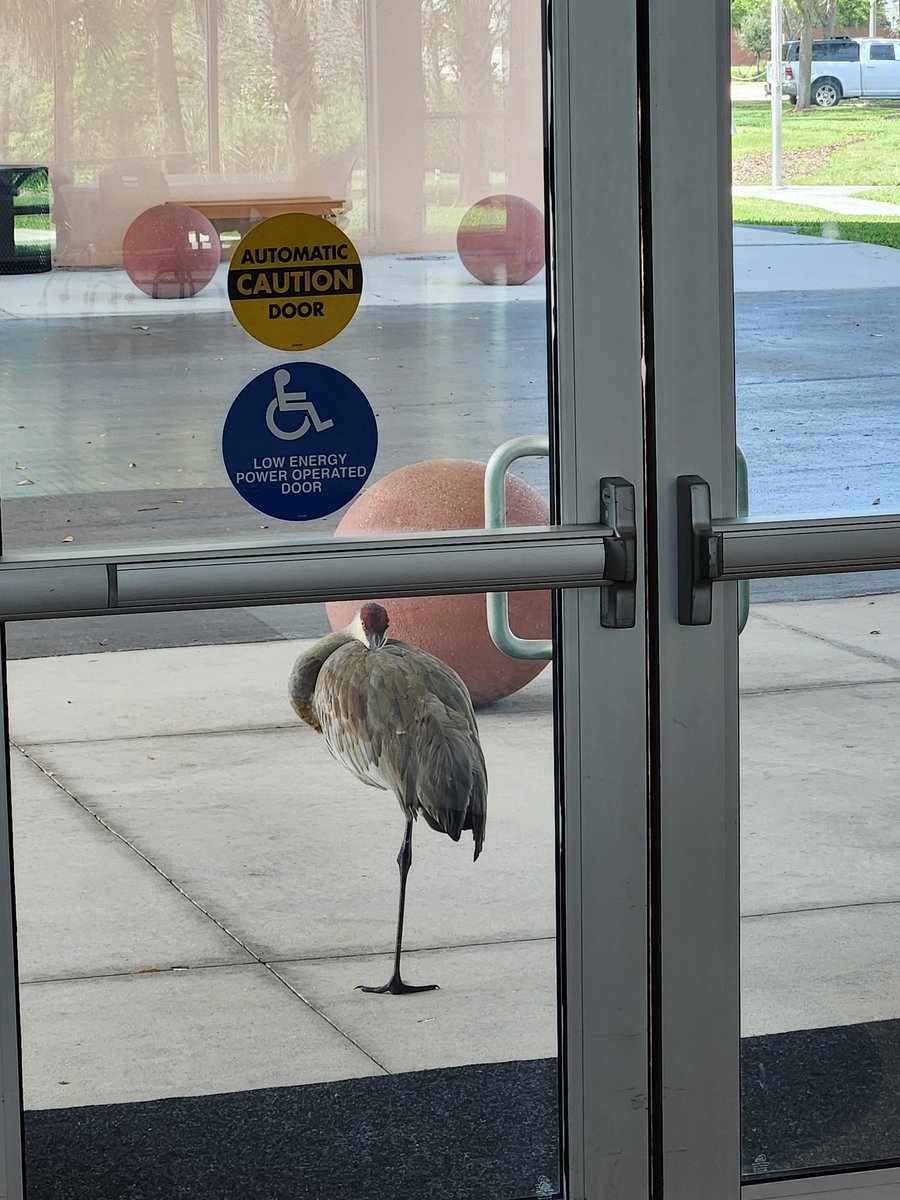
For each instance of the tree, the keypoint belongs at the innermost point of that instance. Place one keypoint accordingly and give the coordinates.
(805, 10)
(293, 63)
(740, 9)
(755, 33)
(473, 44)
(171, 120)
(52, 31)
(305, 34)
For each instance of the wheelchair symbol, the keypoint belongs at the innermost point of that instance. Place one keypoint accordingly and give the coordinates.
(293, 402)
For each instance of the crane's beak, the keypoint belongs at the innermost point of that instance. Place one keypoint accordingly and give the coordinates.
(376, 640)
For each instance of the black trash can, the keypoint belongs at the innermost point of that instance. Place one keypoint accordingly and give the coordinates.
(24, 218)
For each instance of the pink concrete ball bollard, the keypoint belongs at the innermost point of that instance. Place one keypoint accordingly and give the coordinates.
(171, 252)
(501, 240)
(449, 494)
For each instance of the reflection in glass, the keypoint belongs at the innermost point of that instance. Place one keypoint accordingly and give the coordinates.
(392, 120)
(221, 885)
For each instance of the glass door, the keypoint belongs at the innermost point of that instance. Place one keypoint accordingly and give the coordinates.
(311, 266)
(777, 767)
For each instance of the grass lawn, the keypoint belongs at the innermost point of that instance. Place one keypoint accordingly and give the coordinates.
(857, 142)
(797, 218)
(888, 195)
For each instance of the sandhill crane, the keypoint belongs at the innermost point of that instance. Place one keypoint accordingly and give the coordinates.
(400, 720)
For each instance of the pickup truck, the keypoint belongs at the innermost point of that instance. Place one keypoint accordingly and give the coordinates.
(843, 68)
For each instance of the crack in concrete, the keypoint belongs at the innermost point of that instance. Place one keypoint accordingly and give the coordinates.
(814, 908)
(886, 660)
(296, 727)
(824, 686)
(186, 896)
(348, 956)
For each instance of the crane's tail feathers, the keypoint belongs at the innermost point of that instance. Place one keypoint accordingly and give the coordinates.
(476, 818)
(438, 827)
(452, 789)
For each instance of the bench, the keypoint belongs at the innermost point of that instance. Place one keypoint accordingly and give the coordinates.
(237, 215)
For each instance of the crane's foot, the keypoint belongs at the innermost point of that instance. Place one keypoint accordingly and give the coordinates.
(396, 987)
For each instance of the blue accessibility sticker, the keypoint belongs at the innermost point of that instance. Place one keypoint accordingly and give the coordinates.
(299, 441)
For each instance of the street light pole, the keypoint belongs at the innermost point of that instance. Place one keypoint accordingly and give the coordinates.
(775, 93)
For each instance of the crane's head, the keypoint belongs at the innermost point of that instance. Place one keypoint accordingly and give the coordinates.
(370, 625)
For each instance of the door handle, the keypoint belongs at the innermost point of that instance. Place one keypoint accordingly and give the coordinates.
(501, 460)
(617, 512)
(711, 550)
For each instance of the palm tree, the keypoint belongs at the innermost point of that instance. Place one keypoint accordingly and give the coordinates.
(171, 120)
(292, 60)
(475, 29)
(50, 31)
(59, 34)
(298, 28)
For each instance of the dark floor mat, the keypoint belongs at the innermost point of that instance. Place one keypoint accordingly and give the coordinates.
(464, 1133)
(811, 1099)
(818, 1098)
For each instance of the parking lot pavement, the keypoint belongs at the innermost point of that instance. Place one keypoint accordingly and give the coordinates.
(745, 90)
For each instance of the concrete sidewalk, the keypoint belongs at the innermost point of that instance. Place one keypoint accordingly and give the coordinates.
(200, 886)
(773, 260)
(842, 201)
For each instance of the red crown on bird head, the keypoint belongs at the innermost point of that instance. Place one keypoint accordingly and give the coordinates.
(373, 618)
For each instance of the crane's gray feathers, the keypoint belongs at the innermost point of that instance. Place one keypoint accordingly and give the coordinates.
(398, 718)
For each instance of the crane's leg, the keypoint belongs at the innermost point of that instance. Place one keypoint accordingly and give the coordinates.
(395, 985)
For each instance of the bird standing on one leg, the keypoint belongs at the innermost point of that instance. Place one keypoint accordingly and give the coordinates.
(400, 720)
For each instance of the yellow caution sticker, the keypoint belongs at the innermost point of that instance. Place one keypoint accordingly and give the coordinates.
(294, 281)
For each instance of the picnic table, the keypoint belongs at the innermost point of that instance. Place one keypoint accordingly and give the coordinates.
(13, 177)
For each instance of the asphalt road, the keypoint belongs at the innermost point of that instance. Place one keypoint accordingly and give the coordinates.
(117, 428)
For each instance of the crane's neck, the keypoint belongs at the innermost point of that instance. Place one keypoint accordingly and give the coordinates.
(302, 683)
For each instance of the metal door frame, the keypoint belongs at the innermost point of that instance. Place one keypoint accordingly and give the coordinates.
(603, 688)
(686, 194)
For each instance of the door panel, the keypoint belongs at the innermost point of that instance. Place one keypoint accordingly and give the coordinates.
(170, 611)
(817, 763)
(815, 752)
(220, 885)
(816, 419)
(881, 71)
(137, 394)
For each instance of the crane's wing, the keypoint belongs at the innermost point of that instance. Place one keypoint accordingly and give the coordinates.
(399, 718)
(341, 701)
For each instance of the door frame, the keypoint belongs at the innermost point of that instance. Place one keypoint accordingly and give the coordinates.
(686, 173)
(602, 687)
